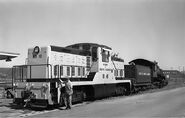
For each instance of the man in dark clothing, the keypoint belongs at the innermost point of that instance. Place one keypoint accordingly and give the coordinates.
(66, 95)
(69, 92)
(62, 96)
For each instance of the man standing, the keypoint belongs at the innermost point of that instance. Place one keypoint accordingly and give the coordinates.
(62, 94)
(69, 92)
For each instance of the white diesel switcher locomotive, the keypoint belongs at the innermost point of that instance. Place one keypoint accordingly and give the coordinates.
(94, 70)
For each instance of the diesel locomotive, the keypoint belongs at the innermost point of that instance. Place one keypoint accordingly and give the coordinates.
(94, 70)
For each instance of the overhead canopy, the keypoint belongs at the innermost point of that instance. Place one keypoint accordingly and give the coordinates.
(143, 62)
(7, 55)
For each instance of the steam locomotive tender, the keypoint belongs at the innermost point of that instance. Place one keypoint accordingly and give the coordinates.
(145, 74)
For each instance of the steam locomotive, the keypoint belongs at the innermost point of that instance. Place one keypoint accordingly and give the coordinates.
(95, 71)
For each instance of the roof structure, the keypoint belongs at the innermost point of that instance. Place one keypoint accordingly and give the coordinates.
(7, 55)
(70, 50)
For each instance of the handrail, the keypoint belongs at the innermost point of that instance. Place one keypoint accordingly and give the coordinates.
(114, 64)
(91, 67)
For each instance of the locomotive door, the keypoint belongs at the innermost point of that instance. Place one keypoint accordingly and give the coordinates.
(105, 65)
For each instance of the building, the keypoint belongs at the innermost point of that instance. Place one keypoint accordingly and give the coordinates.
(173, 74)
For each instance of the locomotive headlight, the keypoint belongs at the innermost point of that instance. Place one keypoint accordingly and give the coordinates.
(32, 84)
(27, 85)
(15, 84)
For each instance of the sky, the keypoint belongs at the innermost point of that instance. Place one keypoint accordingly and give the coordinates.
(149, 29)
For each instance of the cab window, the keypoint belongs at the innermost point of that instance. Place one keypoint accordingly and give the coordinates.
(105, 55)
(68, 71)
(79, 71)
(94, 54)
(73, 71)
(61, 70)
(56, 68)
